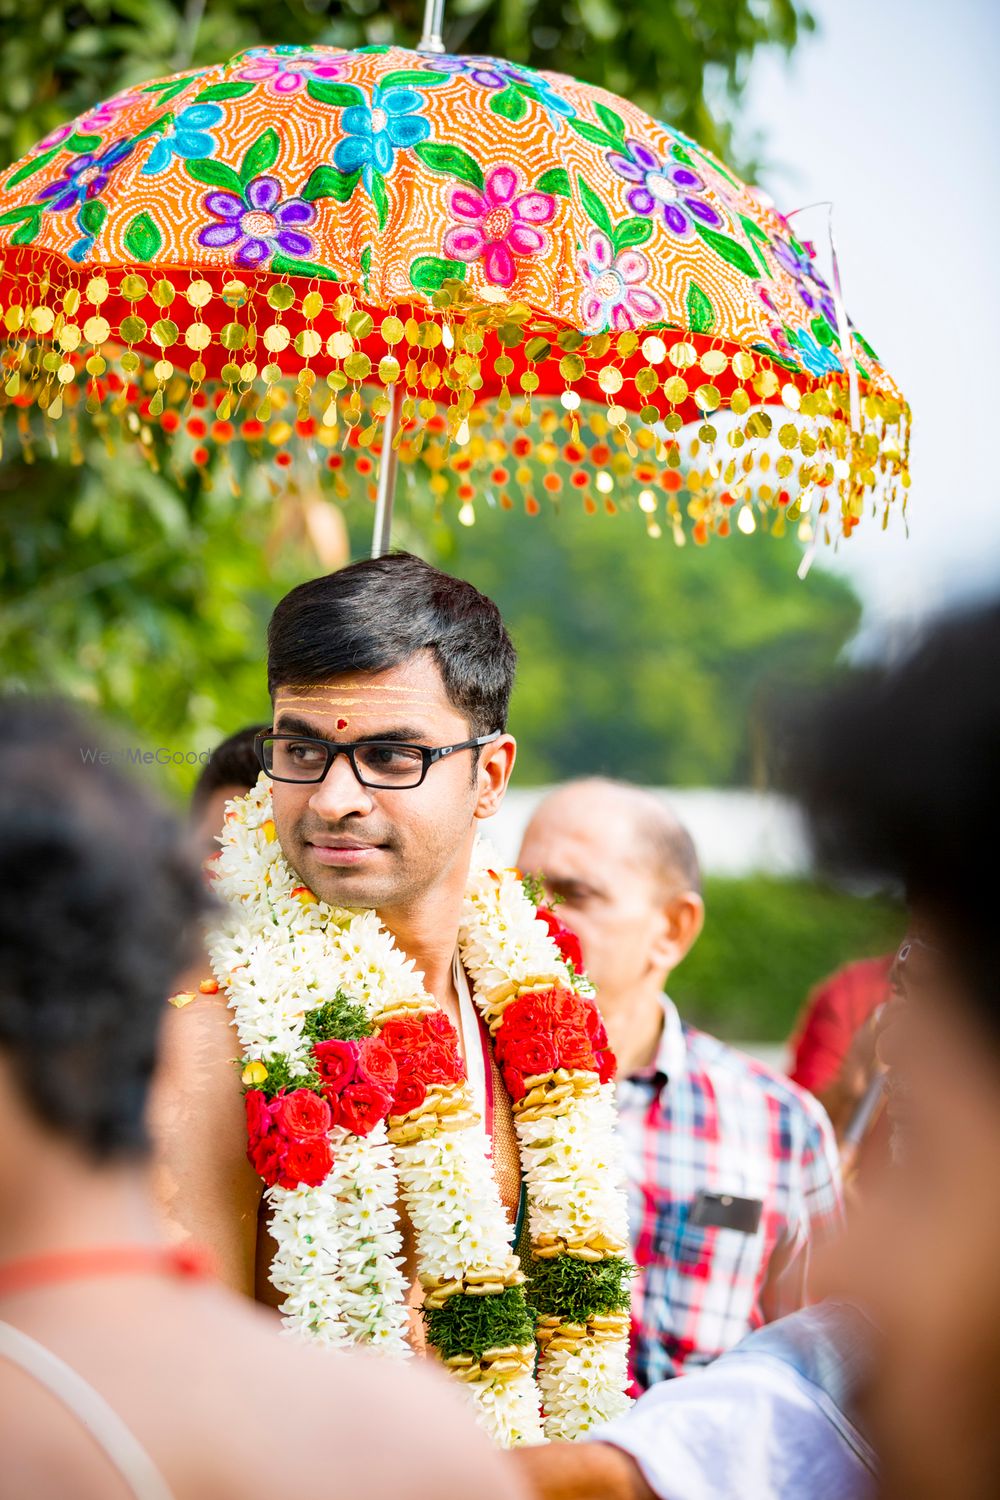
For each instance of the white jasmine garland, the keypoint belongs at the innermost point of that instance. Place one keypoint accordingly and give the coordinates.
(281, 954)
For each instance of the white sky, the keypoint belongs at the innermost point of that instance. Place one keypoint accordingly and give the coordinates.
(892, 111)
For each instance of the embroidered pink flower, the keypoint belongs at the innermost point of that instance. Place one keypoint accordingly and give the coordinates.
(615, 296)
(286, 70)
(500, 222)
(106, 113)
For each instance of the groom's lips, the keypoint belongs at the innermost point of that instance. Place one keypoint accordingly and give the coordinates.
(341, 852)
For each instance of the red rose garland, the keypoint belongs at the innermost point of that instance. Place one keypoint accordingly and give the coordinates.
(551, 1029)
(287, 1135)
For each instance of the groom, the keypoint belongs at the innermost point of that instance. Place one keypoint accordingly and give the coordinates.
(390, 684)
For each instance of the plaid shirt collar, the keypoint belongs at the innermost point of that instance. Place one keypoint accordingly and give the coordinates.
(670, 1061)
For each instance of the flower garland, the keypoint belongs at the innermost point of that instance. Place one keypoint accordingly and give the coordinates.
(357, 1098)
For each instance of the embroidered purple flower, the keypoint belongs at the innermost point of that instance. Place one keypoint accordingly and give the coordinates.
(373, 134)
(84, 177)
(670, 189)
(615, 296)
(800, 265)
(496, 73)
(500, 222)
(286, 70)
(258, 224)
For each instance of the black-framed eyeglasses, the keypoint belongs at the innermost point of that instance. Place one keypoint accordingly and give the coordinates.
(382, 765)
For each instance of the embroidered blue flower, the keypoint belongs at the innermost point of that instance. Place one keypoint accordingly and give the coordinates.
(187, 137)
(373, 134)
(814, 355)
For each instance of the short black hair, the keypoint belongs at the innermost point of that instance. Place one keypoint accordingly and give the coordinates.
(102, 896)
(376, 614)
(899, 774)
(232, 763)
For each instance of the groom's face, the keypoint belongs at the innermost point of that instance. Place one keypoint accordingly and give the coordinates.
(361, 847)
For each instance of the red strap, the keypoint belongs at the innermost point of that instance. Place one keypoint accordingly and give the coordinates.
(116, 1260)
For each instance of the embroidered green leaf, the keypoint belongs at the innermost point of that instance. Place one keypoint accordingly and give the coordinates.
(28, 230)
(216, 93)
(825, 333)
(80, 143)
(679, 154)
(555, 180)
(155, 127)
(631, 232)
(216, 174)
(142, 238)
(701, 313)
(373, 49)
(366, 263)
(31, 167)
(594, 134)
(338, 95)
(510, 104)
(380, 198)
(758, 239)
(612, 122)
(595, 208)
(285, 266)
(15, 215)
(92, 216)
(327, 182)
(729, 250)
(168, 91)
(428, 273)
(261, 156)
(450, 159)
(860, 339)
(413, 78)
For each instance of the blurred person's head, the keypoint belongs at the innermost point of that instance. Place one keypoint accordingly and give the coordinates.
(230, 771)
(625, 872)
(99, 916)
(899, 776)
(389, 650)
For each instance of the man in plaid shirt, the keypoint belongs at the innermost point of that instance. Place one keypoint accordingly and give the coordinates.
(733, 1170)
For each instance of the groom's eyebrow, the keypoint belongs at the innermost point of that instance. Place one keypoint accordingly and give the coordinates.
(294, 724)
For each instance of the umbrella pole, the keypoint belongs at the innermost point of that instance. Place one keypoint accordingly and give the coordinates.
(387, 466)
(431, 41)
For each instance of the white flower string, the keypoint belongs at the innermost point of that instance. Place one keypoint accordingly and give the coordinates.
(357, 1100)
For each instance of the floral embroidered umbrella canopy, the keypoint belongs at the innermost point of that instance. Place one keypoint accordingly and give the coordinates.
(520, 281)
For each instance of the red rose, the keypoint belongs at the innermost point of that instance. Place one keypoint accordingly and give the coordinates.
(607, 1063)
(376, 1064)
(596, 1029)
(304, 1113)
(514, 1083)
(531, 1054)
(259, 1119)
(524, 1017)
(438, 1025)
(402, 1035)
(307, 1162)
(574, 1048)
(570, 1009)
(361, 1106)
(336, 1064)
(438, 1064)
(564, 938)
(410, 1094)
(266, 1154)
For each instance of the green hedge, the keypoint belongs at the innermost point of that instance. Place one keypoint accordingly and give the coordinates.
(766, 942)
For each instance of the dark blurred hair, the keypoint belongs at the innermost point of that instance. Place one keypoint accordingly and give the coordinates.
(377, 614)
(99, 916)
(899, 774)
(232, 763)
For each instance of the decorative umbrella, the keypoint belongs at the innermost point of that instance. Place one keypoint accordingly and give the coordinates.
(519, 281)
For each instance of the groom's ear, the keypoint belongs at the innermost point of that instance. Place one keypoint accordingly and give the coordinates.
(496, 761)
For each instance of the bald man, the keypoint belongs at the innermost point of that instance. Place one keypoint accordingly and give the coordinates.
(733, 1169)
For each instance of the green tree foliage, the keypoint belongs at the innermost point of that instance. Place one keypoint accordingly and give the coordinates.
(59, 58)
(709, 635)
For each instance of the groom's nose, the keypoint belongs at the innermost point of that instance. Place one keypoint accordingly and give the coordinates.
(340, 793)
